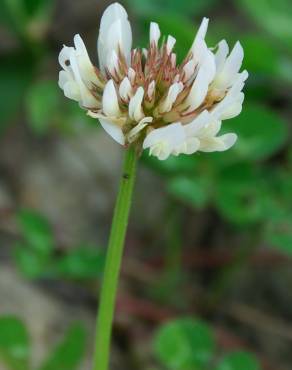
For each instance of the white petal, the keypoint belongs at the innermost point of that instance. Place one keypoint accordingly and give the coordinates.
(218, 144)
(135, 105)
(163, 141)
(234, 108)
(190, 146)
(131, 75)
(110, 104)
(173, 92)
(63, 78)
(154, 33)
(80, 46)
(201, 34)
(204, 58)
(198, 91)
(198, 123)
(229, 140)
(210, 130)
(141, 125)
(221, 55)
(87, 99)
(151, 90)
(234, 61)
(173, 59)
(113, 130)
(125, 89)
(230, 68)
(64, 57)
(170, 44)
(113, 62)
(114, 33)
(87, 70)
(189, 69)
(72, 91)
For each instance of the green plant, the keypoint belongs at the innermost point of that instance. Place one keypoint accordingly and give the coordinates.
(190, 344)
(36, 253)
(15, 347)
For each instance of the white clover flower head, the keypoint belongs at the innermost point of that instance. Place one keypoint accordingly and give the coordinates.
(143, 97)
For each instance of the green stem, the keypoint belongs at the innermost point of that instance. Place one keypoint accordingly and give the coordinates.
(113, 263)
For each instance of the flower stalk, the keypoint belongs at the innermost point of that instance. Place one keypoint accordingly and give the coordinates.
(113, 262)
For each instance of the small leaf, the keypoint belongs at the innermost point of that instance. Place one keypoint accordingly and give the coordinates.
(14, 343)
(81, 263)
(239, 361)
(69, 353)
(184, 344)
(36, 231)
(31, 264)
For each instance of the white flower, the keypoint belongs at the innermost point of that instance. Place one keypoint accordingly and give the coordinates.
(142, 97)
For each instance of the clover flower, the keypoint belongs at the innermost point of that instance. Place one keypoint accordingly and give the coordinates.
(142, 96)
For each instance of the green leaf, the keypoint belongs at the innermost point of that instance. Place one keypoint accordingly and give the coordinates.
(31, 264)
(274, 16)
(14, 343)
(239, 360)
(69, 353)
(42, 96)
(184, 344)
(81, 263)
(278, 231)
(192, 191)
(261, 133)
(182, 7)
(36, 231)
(240, 194)
(15, 76)
(260, 55)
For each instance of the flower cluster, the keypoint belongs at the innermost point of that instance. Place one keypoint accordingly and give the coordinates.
(143, 96)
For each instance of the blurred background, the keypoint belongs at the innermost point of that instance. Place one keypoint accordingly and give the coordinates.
(206, 278)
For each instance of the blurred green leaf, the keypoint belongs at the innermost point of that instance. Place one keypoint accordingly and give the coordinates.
(278, 231)
(192, 191)
(29, 18)
(261, 132)
(31, 264)
(33, 6)
(184, 344)
(260, 54)
(81, 263)
(240, 193)
(15, 77)
(274, 16)
(239, 360)
(14, 343)
(36, 231)
(69, 353)
(13, 14)
(183, 7)
(42, 103)
(280, 237)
